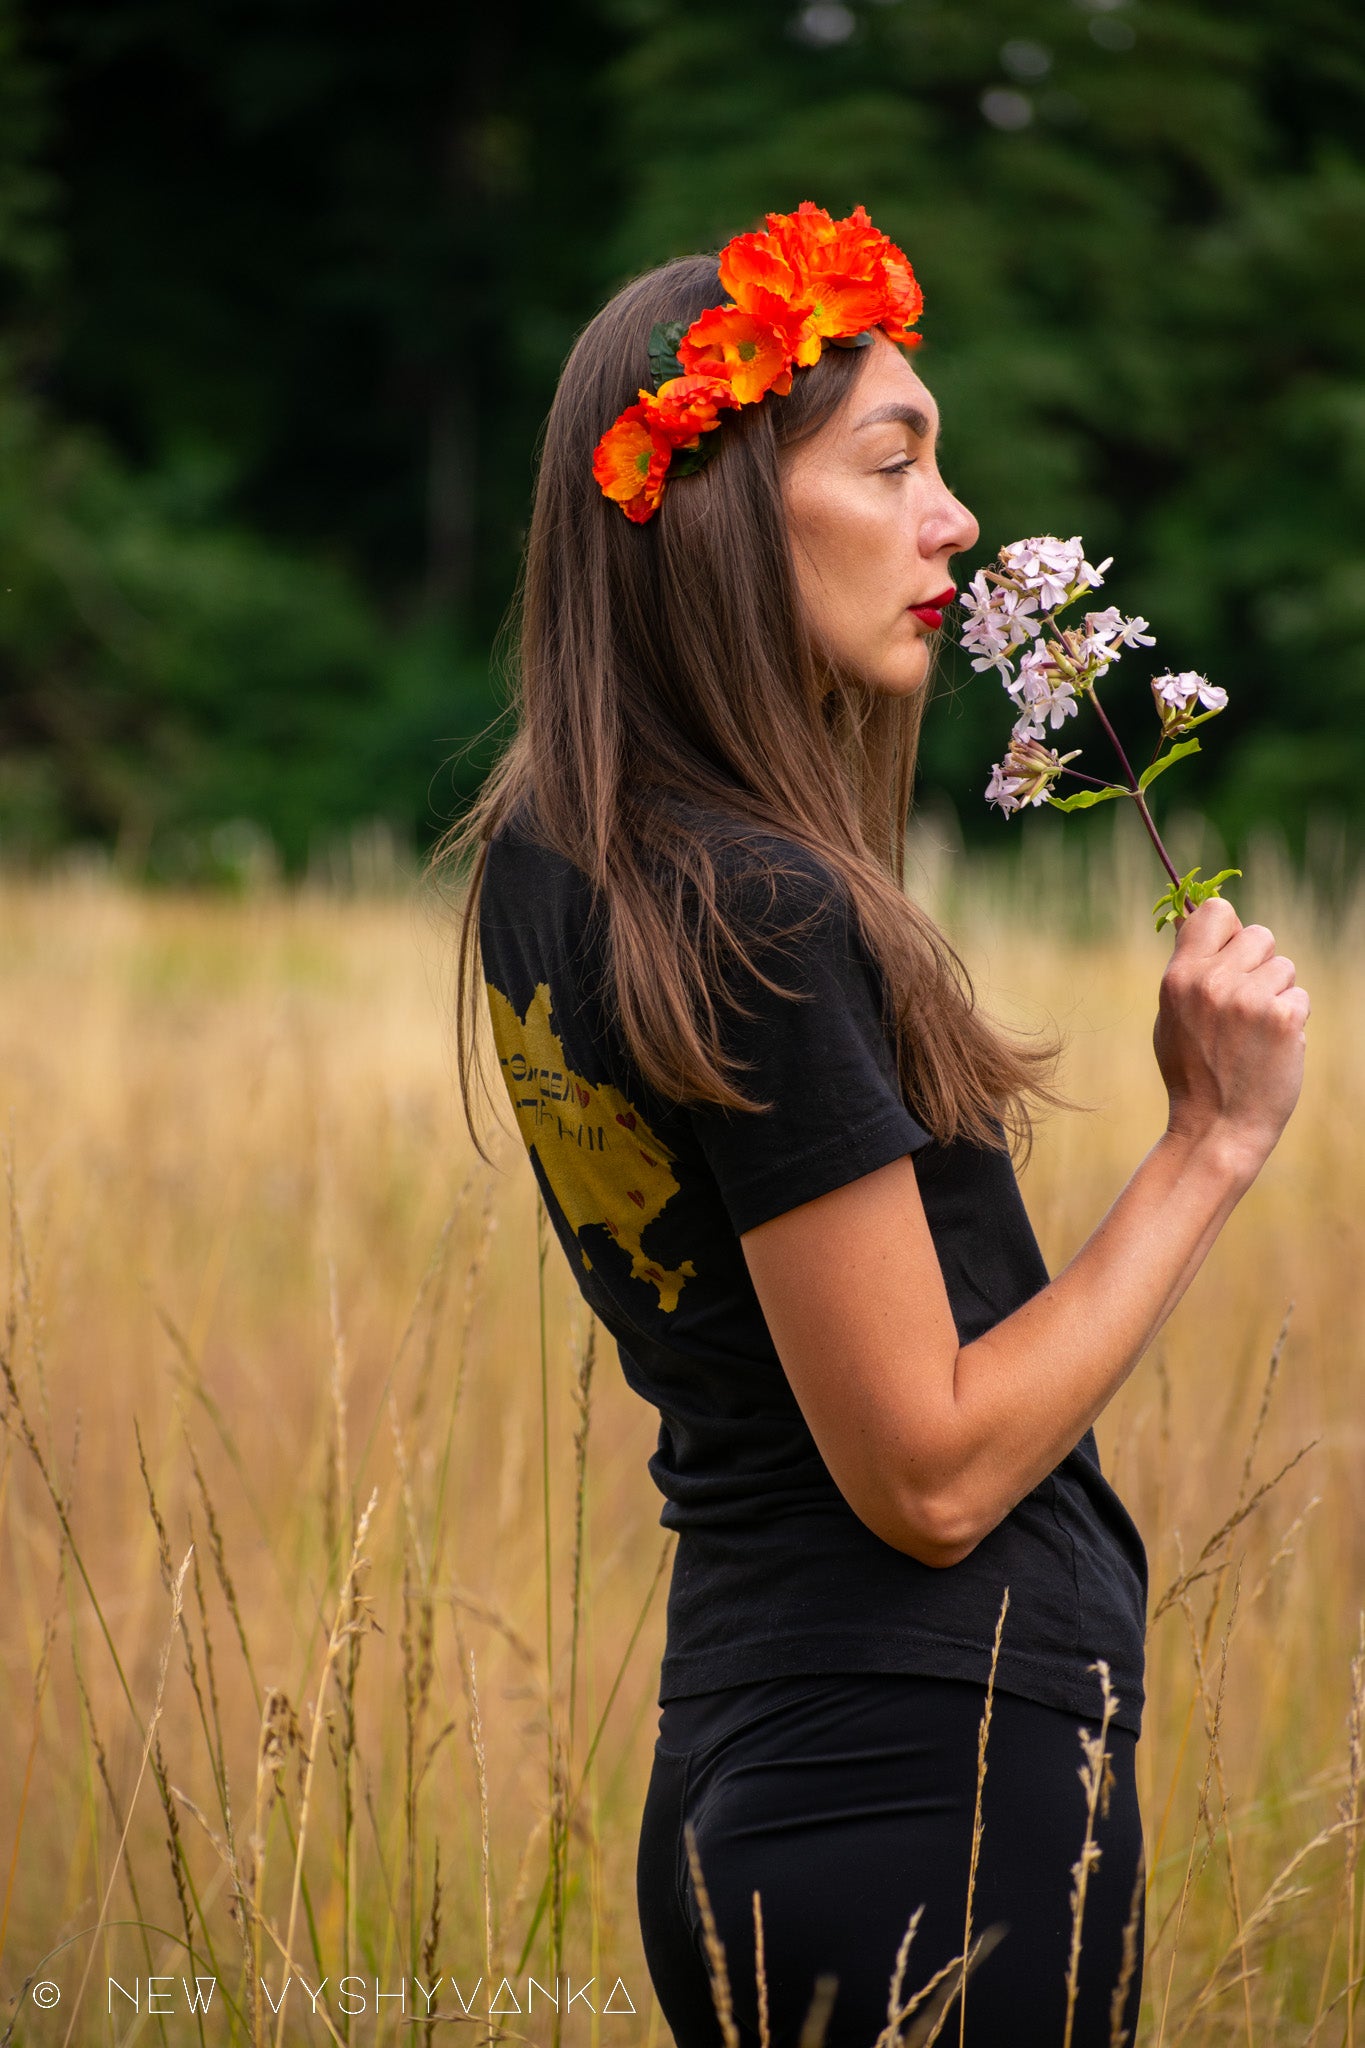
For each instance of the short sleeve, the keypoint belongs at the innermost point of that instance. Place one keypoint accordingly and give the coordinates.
(821, 1055)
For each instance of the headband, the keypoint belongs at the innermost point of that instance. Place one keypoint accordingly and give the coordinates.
(807, 281)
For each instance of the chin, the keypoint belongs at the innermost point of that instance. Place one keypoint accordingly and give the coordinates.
(902, 676)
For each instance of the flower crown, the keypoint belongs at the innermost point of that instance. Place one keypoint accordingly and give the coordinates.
(807, 281)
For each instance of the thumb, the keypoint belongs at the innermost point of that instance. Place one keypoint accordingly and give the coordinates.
(1208, 928)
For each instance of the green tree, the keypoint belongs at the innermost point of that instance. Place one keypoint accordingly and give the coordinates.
(287, 290)
(1140, 228)
(288, 286)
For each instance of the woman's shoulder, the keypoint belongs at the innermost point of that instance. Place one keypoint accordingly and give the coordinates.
(516, 828)
(529, 881)
(519, 842)
(763, 873)
(760, 872)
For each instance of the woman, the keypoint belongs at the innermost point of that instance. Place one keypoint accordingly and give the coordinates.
(770, 1130)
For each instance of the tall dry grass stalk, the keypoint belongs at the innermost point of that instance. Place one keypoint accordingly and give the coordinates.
(983, 1743)
(1094, 1780)
(256, 1276)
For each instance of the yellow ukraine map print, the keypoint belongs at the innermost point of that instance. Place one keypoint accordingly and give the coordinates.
(601, 1158)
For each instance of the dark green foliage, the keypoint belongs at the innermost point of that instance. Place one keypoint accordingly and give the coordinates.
(663, 351)
(288, 286)
(1142, 321)
(687, 461)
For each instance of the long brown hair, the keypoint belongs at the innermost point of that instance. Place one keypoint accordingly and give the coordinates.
(664, 673)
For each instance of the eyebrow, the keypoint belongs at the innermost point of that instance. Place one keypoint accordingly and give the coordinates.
(896, 415)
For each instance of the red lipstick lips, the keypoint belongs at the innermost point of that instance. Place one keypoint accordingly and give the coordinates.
(932, 613)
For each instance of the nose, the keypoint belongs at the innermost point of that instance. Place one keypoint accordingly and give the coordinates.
(949, 527)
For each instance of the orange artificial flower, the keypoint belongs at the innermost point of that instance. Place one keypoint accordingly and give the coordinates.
(753, 352)
(686, 407)
(836, 278)
(759, 278)
(808, 279)
(844, 271)
(631, 461)
(811, 242)
(905, 300)
(754, 263)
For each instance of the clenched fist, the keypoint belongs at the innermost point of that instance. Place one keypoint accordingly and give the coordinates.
(1229, 1035)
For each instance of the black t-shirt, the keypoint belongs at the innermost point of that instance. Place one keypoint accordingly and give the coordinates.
(774, 1575)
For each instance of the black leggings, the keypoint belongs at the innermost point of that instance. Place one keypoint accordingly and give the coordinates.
(846, 1802)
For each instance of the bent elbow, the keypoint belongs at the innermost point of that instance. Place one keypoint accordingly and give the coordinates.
(938, 1531)
(935, 1532)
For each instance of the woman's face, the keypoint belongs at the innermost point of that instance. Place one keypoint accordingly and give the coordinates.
(873, 526)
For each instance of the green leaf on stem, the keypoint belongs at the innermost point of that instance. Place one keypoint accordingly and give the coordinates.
(1084, 798)
(1149, 775)
(1175, 903)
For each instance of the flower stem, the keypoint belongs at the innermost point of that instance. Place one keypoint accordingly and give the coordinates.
(1162, 854)
(1138, 798)
(1124, 762)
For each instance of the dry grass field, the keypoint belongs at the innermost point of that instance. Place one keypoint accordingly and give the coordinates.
(331, 1593)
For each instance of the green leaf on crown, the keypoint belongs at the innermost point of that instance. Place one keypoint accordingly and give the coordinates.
(863, 340)
(664, 337)
(686, 461)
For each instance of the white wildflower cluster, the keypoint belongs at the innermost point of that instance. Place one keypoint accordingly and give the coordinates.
(1043, 691)
(1011, 610)
(1004, 611)
(1176, 697)
(1025, 775)
(1013, 607)
(1054, 571)
(1104, 633)
(1054, 671)
(1000, 619)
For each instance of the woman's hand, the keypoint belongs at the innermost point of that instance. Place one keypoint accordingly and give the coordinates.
(1229, 1035)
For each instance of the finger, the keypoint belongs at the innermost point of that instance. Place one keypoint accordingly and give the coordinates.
(1276, 974)
(1248, 949)
(1295, 1002)
(1208, 928)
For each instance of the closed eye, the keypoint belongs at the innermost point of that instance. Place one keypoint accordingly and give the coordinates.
(899, 467)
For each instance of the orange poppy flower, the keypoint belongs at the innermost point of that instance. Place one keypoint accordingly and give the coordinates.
(837, 278)
(754, 263)
(807, 280)
(759, 278)
(810, 241)
(905, 300)
(752, 350)
(838, 269)
(686, 407)
(631, 461)
(850, 275)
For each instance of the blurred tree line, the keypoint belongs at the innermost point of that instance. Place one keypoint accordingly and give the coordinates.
(286, 285)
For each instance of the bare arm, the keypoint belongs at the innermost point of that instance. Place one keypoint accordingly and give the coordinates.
(932, 1443)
